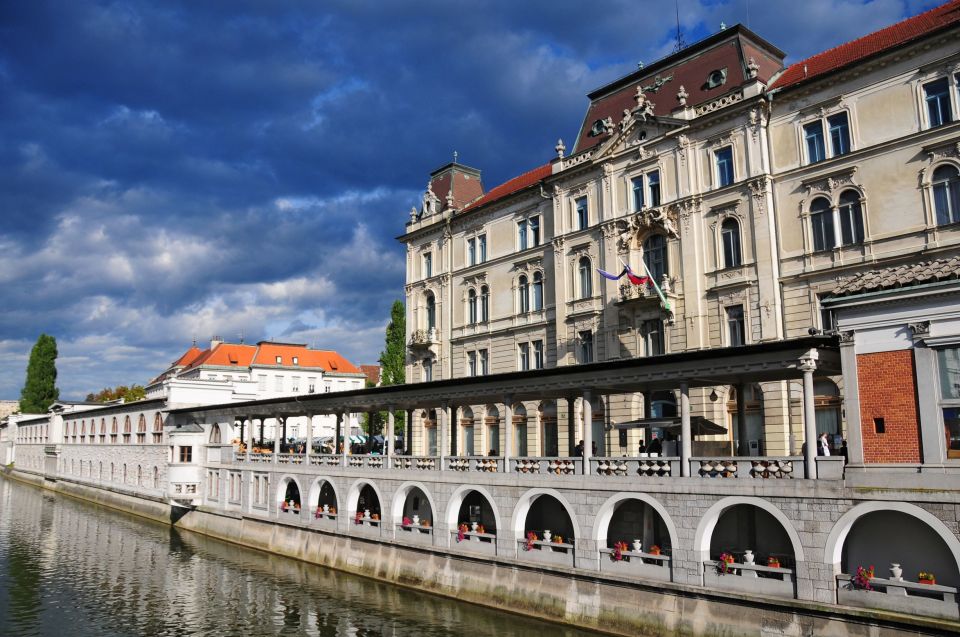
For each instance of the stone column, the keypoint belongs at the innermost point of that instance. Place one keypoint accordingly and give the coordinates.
(341, 432)
(408, 432)
(442, 439)
(507, 448)
(454, 428)
(744, 446)
(389, 433)
(571, 425)
(587, 411)
(249, 439)
(276, 439)
(686, 438)
(809, 364)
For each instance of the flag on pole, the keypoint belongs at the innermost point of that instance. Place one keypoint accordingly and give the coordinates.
(612, 277)
(634, 278)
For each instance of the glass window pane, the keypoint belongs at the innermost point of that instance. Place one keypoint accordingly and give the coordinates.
(636, 185)
(937, 95)
(813, 133)
(724, 166)
(482, 240)
(949, 363)
(653, 183)
(522, 235)
(839, 134)
(851, 219)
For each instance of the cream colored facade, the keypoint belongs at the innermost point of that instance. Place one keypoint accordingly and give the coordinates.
(886, 169)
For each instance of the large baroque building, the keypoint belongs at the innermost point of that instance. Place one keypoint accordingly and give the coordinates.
(747, 189)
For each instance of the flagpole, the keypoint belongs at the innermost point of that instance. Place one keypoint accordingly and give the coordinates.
(663, 299)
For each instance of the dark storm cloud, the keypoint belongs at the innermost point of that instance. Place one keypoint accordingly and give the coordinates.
(181, 169)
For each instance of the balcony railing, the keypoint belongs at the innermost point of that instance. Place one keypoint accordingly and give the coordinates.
(900, 596)
(547, 552)
(622, 467)
(555, 466)
(479, 464)
(750, 578)
(637, 563)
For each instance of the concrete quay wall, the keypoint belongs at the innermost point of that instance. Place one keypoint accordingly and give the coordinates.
(613, 604)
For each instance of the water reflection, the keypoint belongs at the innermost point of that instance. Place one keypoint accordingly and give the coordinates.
(68, 567)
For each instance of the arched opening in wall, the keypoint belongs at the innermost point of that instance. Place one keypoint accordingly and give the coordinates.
(124, 472)
(83, 431)
(429, 419)
(882, 538)
(113, 472)
(416, 508)
(550, 440)
(215, 435)
(127, 429)
(156, 478)
(368, 504)
(492, 424)
(827, 404)
(103, 430)
(73, 467)
(467, 432)
(753, 404)
(548, 519)
(520, 430)
(638, 524)
(114, 430)
(327, 499)
(100, 471)
(477, 513)
(290, 496)
(139, 476)
(157, 429)
(744, 527)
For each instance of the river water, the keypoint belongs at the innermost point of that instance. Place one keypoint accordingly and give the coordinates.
(76, 569)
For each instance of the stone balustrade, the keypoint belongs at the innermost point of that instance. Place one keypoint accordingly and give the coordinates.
(416, 533)
(628, 466)
(750, 578)
(474, 542)
(782, 468)
(900, 596)
(638, 564)
(547, 552)
(555, 466)
(481, 464)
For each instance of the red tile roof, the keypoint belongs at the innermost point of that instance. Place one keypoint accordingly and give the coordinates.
(226, 355)
(330, 361)
(188, 357)
(372, 372)
(869, 45)
(525, 180)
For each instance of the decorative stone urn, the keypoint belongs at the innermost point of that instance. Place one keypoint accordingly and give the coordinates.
(366, 514)
(638, 546)
(416, 520)
(547, 535)
(896, 573)
(748, 557)
(326, 508)
(473, 526)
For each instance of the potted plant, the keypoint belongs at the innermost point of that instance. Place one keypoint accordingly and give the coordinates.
(375, 517)
(531, 538)
(461, 532)
(773, 562)
(927, 578)
(481, 530)
(654, 550)
(333, 511)
(557, 539)
(723, 566)
(618, 549)
(406, 521)
(425, 524)
(861, 581)
(359, 518)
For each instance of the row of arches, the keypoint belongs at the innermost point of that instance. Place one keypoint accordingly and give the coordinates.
(870, 533)
(132, 475)
(80, 432)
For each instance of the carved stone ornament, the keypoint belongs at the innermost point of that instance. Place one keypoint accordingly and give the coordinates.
(920, 328)
(431, 203)
(753, 68)
(684, 210)
(608, 126)
(944, 151)
(758, 189)
(847, 336)
(682, 96)
(560, 148)
(662, 218)
(829, 183)
(682, 143)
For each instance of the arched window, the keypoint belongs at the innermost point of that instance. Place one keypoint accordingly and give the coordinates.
(484, 304)
(157, 429)
(730, 236)
(472, 306)
(655, 256)
(946, 194)
(537, 291)
(586, 281)
(851, 218)
(141, 429)
(821, 225)
(431, 311)
(126, 429)
(215, 434)
(523, 293)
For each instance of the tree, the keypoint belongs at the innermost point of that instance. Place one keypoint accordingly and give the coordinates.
(394, 356)
(128, 394)
(40, 389)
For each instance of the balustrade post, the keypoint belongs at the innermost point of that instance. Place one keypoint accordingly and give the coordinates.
(809, 364)
(587, 411)
(686, 443)
(249, 434)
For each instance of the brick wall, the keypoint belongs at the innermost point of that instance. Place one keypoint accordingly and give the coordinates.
(887, 385)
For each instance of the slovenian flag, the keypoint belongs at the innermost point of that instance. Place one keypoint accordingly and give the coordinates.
(635, 279)
(612, 277)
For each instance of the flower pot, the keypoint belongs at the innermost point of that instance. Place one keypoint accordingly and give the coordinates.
(638, 546)
(928, 582)
(896, 573)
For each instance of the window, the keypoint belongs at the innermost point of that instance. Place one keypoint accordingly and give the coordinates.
(484, 304)
(851, 218)
(538, 354)
(427, 370)
(157, 429)
(278, 383)
(522, 234)
(586, 280)
(839, 133)
(724, 166)
(186, 454)
(483, 362)
(471, 251)
(827, 404)
(586, 346)
(636, 188)
(652, 330)
(946, 194)
(311, 384)
(813, 134)
(537, 291)
(261, 382)
(431, 312)
(523, 292)
(735, 327)
(126, 429)
(524, 356)
(948, 361)
(937, 97)
(427, 265)
(655, 256)
(471, 363)
(581, 208)
(653, 187)
(296, 360)
(279, 360)
(295, 384)
(534, 224)
(481, 248)
(730, 237)
(471, 306)
(821, 224)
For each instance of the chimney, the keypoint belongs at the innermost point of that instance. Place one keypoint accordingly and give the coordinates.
(214, 341)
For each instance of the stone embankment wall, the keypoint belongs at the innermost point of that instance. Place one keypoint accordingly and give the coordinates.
(554, 593)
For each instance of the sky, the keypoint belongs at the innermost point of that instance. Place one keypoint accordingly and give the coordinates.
(175, 170)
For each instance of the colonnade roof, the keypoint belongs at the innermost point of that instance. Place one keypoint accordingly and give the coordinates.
(760, 362)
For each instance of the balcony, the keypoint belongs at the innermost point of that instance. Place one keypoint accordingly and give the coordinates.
(424, 339)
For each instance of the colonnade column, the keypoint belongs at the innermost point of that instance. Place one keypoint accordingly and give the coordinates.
(309, 448)
(743, 449)
(344, 446)
(685, 435)
(808, 364)
(249, 438)
(454, 428)
(389, 436)
(276, 439)
(587, 411)
(571, 425)
(507, 428)
(408, 432)
(442, 448)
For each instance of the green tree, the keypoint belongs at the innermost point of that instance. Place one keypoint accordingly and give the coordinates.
(393, 358)
(128, 394)
(40, 389)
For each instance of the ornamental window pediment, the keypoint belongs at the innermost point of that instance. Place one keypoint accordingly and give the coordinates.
(830, 185)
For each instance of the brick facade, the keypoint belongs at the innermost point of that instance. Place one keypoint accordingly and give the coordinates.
(887, 382)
